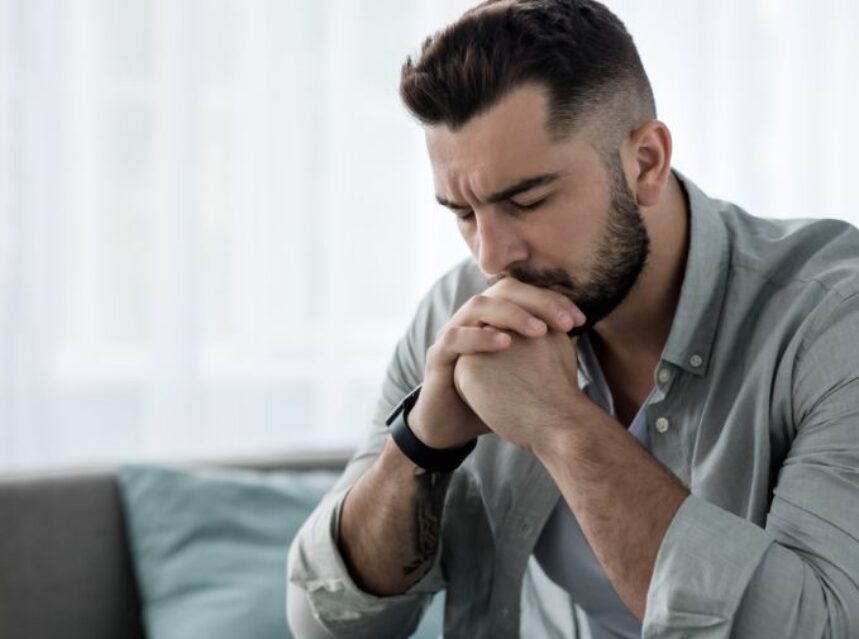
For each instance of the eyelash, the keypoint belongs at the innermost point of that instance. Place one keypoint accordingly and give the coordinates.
(529, 207)
(519, 207)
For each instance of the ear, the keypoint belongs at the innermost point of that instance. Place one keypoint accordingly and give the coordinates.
(649, 158)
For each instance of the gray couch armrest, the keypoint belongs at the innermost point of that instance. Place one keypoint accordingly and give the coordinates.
(65, 568)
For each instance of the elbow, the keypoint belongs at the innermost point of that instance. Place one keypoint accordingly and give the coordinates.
(802, 602)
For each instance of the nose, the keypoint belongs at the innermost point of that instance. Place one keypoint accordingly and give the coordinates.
(498, 245)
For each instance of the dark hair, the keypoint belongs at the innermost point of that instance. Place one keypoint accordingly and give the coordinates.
(578, 50)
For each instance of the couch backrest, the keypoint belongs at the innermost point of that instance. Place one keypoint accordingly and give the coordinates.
(65, 565)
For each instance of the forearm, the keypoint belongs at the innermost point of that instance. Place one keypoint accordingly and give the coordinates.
(623, 499)
(390, 524)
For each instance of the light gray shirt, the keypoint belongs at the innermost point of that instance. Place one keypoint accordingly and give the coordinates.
(759, 418)
(562, 550)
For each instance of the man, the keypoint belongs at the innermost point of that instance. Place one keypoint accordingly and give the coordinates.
(638, 407)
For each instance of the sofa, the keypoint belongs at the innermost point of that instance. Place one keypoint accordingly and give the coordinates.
(65, 562)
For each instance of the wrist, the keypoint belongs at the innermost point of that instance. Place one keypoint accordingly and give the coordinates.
(416, 419)
(564, 426)
(431, 459)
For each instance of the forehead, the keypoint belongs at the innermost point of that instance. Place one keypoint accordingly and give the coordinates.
(503, 145)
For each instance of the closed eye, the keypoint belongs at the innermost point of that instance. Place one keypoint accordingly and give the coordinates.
(528, 207)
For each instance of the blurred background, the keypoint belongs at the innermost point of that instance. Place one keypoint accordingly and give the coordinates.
(216, 219)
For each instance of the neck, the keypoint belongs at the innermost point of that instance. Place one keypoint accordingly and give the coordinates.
(639, 327)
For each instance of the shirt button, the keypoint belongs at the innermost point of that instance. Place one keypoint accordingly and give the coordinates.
(696, 360)
(664, 375)
(662, 424)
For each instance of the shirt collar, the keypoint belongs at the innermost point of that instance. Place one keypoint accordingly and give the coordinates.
(693, 331)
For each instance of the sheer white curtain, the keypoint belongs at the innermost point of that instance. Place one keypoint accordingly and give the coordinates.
(216, 219)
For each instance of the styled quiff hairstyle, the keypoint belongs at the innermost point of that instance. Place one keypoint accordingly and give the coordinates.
(577, 50)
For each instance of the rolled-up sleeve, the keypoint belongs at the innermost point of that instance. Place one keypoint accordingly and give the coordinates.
(319, 584)
(321, 588)
(321, 594)
(719, 576)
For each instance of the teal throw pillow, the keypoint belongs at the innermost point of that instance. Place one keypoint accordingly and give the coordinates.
(210, 546)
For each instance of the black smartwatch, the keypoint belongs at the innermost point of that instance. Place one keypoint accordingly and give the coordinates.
(434, 460)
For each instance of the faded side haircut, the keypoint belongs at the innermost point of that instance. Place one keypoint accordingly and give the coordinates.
(578, 51)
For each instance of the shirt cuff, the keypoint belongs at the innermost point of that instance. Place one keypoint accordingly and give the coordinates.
(702, 569)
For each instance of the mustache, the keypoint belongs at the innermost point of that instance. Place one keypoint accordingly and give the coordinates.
(554, 279)
(557, 280)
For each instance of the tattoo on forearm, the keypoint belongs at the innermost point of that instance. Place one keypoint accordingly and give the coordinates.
(427, 525)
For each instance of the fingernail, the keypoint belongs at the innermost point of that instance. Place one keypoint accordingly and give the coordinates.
(565, 318)
(535, 324)
(580, 318)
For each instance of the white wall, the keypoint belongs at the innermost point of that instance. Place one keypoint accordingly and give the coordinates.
(216, 219)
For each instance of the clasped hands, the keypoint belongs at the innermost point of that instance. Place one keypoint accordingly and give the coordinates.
(523, 390)
(503, 363)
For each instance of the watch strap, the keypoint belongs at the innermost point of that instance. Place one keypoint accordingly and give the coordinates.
(430, 459)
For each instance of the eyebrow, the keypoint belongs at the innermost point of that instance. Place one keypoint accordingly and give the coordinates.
(509, 192)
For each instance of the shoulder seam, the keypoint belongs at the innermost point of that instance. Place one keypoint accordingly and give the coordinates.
(813, 329)
(769, 278)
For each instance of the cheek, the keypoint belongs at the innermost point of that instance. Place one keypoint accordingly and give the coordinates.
(567, 234)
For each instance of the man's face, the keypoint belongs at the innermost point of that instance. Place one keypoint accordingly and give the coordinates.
(545, 212)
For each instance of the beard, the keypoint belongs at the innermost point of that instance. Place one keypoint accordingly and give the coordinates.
(620, 257)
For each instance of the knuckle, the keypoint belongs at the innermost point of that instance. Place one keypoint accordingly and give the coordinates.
(522, 314)
(557, 302)
(480, 301)
(449, 336)
(564, 304)
(562, 300)
(443, 339)
(432, 353)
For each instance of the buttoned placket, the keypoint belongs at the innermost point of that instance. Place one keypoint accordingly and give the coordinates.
(658, 419)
